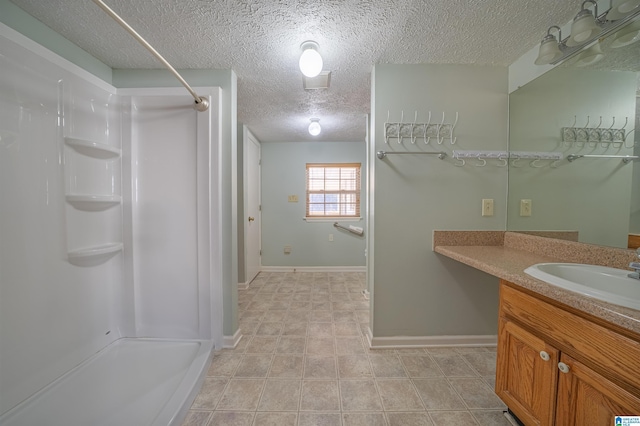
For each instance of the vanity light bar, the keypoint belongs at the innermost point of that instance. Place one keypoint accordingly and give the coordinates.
(607, 28)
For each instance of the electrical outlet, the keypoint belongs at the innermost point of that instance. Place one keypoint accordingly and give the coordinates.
(293, 198)
(487, 207)
(330, 237)
(525, 207)
(287, 249)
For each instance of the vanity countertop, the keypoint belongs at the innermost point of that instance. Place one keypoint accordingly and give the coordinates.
(517, 252)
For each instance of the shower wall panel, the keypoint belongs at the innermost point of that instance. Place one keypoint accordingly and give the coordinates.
(170, 213)
(54, 314)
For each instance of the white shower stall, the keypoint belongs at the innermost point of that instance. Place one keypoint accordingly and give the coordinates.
(110, 270)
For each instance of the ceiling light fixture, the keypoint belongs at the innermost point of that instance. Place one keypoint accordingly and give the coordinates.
(314, 127)
(622, 8)
(549, 48)
(590, 56)
(584, 26)
(310, 60)
(626, 36)
(587, 28)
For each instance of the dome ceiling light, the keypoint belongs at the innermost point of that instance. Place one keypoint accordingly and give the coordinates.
(314, 127)
(310, 60)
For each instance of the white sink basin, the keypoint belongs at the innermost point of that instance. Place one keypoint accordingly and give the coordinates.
(600, 282)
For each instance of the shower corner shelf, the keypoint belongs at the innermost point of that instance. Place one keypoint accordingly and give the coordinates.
(93, 202)
(93, 149)
(95, 255)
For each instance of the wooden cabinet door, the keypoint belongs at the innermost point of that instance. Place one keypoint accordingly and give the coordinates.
(525, 381)
(587, 399)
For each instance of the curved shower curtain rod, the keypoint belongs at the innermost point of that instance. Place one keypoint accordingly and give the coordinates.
(202, 104)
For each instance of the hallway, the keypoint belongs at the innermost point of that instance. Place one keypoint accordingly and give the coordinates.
(304, 360)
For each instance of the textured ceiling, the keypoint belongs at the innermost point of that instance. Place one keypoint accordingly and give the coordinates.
(260, 40)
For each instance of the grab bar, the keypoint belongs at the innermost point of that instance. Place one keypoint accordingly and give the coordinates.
(440, 154)
(353, 229)
(625, 158)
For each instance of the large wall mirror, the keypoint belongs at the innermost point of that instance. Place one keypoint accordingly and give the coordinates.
(587, 109)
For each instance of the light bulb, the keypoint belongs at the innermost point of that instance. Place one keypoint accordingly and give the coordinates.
(314, 127)
(310, 60)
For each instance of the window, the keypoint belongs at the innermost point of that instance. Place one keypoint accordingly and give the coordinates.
(333, 190)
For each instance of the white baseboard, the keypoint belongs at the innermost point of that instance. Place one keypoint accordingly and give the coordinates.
(230, 342)
(406, 342)
(243, 286)
(313, 269)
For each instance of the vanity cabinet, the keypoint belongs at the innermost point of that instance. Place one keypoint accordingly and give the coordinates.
(558, 366)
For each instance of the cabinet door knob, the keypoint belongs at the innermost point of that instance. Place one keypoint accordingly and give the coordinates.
(545, 356)
(251, 219)
(563, 367)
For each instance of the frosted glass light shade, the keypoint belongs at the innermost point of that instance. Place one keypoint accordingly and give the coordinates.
(310, 60)
(622, 8)
(583, 28)
(590, 56)
(549, 51)
(627, 35)
(314, 127)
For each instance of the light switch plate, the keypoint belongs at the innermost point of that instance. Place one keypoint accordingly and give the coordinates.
(487, 207)
(525, 207)
(293, 198)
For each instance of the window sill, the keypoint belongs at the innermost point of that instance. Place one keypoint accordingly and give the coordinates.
(332, 219)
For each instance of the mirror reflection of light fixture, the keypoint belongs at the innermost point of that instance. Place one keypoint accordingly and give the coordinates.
(627, 35)
(622, 8)
(590, 56)
(310, 60)
(584, 26)
(314, 127)
(549, 48)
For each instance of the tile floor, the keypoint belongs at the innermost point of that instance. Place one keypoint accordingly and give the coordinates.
(304, 360)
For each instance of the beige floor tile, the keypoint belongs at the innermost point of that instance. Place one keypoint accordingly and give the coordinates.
(318, 315)
(286, 366)
(409, 419)
(223, 364)
(320, 345)
(344, 316)
(476, 393)
(301, 315)
(320, 367)
(275, 316)
(280, 395)
(354, 366)
(275, 419)
(490, 418)
(320, 329)
(363, 419)
(319, 419)
(291, 345)
(437, 394)
(483, 362)
(254, 366)
(262, 344)
(350, 346)
(420, 365)
(269, 329)
(359, 395)
(399, 395)
(454, 366)
(241, 395)
(347, 329)
(210, 393)
(197, 418)
(232, 418)
(295, 328)
(452, 418)
(387, 366)
(320, 395)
